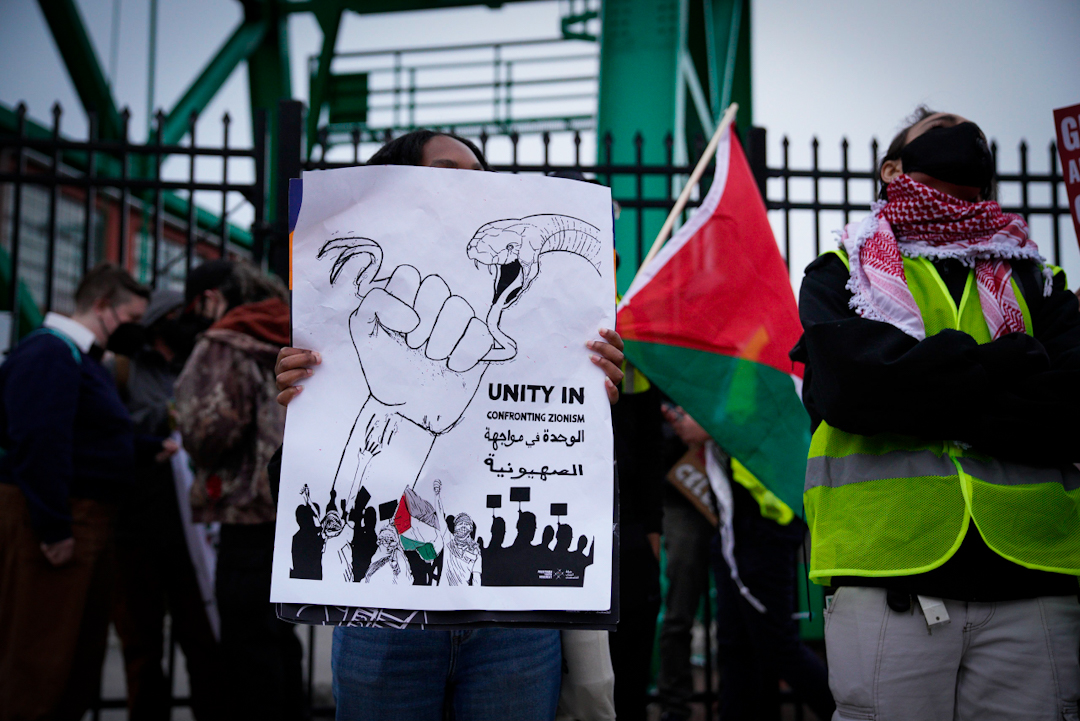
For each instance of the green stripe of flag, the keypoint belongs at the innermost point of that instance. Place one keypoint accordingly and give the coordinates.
(750, 409)
(426, 550)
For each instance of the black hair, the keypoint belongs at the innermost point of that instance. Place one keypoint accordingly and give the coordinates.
(409, 149)
(109, 282)
(239, 281)
(209, 275)
(896, 149)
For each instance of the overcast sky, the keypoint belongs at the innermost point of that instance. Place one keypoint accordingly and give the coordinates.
(827, 68)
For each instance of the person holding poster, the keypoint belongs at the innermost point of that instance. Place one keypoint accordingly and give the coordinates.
(942, 378)
(484, 673)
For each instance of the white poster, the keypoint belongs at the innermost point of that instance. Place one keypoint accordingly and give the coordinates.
(453, 451)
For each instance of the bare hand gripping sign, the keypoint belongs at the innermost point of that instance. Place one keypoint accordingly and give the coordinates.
(454, 451)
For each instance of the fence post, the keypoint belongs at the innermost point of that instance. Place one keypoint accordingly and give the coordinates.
(288, 166)
(259, 229)
(755, 154)
(16, 227)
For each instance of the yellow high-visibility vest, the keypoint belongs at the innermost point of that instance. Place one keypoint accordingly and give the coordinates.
(894, 505)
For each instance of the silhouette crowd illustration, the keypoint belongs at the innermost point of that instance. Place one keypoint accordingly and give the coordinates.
(461, 559)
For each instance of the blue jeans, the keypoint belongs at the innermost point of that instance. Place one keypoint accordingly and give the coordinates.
(486, 673)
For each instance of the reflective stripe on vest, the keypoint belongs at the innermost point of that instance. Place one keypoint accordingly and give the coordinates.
(891, 505)
(1016, 474)
(836, 472)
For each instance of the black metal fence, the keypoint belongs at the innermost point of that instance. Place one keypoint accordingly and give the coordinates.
(803, 201)
(1015, 191)
(69, 204)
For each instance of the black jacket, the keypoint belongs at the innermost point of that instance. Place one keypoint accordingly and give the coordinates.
(1015, 398)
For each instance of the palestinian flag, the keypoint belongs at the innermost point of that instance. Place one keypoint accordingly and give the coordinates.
(417, 526)
(711, 320)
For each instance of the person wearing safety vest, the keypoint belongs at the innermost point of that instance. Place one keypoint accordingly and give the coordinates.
(942, 378)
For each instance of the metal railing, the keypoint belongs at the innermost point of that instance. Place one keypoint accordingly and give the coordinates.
(825, 196)
(841, 191)
(484, 87)
(75, 203)
(1014, 190)
(66, 205)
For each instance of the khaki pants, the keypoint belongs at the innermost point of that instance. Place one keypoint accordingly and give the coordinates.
(53, 621)
(991, 661)
(588, 681)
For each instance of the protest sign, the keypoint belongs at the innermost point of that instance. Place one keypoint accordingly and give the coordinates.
(451, 309)
(1067, 122)
(690, 477)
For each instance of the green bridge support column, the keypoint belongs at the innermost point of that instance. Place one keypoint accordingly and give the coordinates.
(269, 78)
(666, 66)
(727, 27)
(80, 60)
(639, 57)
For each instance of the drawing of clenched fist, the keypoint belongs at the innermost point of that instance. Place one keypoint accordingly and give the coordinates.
(420, 347)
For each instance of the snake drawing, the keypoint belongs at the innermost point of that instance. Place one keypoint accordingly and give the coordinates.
(511, 250)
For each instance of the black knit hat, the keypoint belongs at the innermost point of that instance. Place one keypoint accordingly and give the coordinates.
(208, 276)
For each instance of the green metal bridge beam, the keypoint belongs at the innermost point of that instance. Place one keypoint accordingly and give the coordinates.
(239, 47)
(666, 66)
(366, 7)
(640, 44)
(727, 27)
(330, 22)
(269, 78)
(80, 59)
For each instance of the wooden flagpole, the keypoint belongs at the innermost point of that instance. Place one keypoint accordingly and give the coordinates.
(710, 150)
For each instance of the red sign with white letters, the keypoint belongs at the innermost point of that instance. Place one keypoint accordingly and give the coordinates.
(1067, 121)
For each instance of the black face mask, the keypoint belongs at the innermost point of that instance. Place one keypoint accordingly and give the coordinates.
(128, 339)
(958, 154)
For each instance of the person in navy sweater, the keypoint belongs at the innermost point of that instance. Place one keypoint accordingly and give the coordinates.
(67, 451)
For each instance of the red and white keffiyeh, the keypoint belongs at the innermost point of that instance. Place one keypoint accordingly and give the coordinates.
(919, 221)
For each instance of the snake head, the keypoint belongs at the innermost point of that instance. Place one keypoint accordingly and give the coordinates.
(501, 245)
(511, 250)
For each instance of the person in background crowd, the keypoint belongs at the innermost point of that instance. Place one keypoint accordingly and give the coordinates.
(636, 420)
(154, 567)
(68, 452)
(231, 426)
(480, 674)
(757, 635)
(942, 379)
(687, 539)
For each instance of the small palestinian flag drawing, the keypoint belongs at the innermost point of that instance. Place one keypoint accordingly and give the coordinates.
(417, 526)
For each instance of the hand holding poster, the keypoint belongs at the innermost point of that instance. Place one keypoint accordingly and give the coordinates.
(451, 310)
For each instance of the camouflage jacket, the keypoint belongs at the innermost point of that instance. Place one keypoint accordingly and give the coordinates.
(228, 414)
